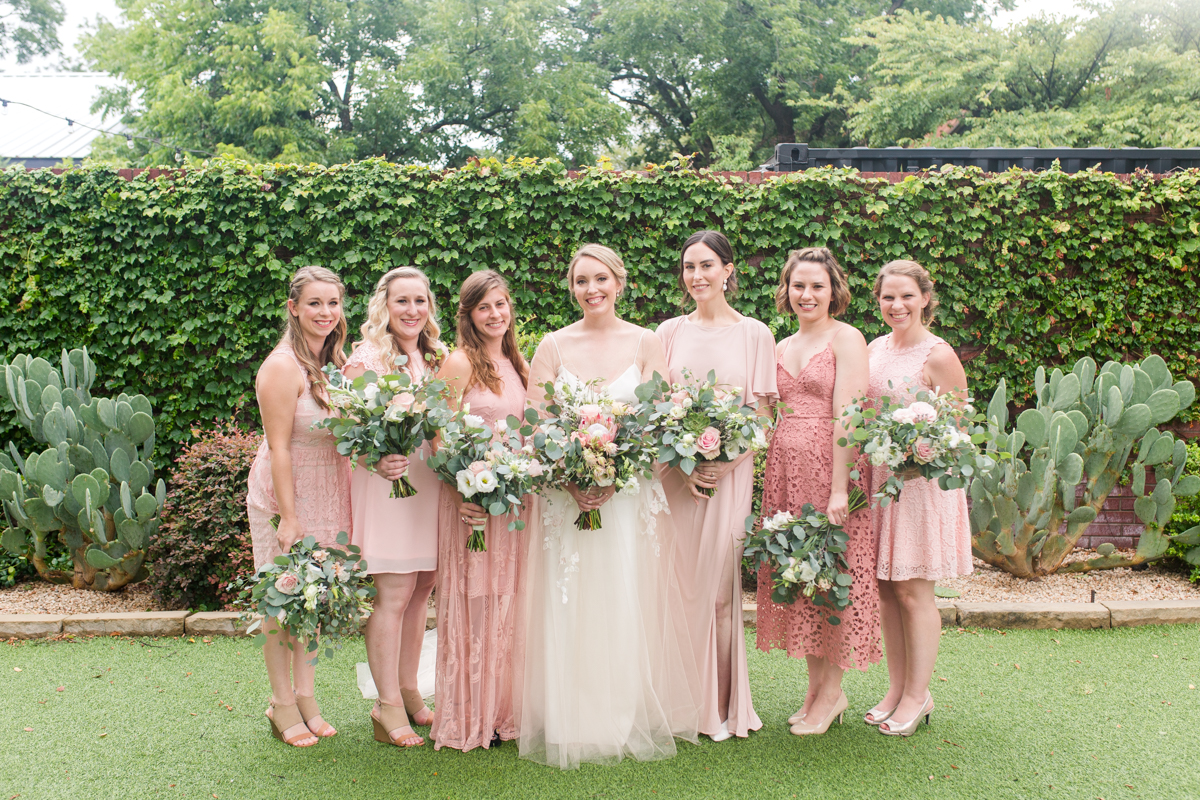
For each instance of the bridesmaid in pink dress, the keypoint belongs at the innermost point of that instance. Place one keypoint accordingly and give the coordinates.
(299, 476)
(710, 531)
(398, 535)
(821, 369)
(926, 535)
(476, 608)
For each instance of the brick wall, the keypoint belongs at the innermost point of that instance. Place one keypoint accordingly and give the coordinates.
(1116, 522)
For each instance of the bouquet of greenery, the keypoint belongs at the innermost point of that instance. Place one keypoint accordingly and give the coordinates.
(938, 436)
(807, 555)
(592, 440)
(379, 416)
(700, 420)
(311, 591)
(490, 466)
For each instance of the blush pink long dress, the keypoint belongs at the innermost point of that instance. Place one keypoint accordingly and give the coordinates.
(799, 471)
(396, 534)
(321, 477)
(927, 532)
(710, 532)
(477, 604)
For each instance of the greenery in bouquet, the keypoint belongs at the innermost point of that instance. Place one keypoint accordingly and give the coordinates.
(312, 592)
(389, 415)
(807, 555)
(938, 436)
(490, 465)
(590, 439)
(696, 420)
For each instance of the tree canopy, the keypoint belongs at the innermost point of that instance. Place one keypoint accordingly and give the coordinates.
(29, 28)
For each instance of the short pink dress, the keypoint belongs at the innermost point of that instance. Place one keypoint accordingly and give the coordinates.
(799, 471)
(395, 534)
(925, 534)
(710, 532)
(477, 604)
(321, 477)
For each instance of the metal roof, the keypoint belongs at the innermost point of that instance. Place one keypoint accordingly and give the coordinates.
(43, 139)
(792, 156)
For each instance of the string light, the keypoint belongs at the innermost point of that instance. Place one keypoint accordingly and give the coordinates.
(129, 137)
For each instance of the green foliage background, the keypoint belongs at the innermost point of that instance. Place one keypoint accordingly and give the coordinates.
(176, 283)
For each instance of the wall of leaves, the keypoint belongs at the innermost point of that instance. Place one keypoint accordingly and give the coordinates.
(176, 281)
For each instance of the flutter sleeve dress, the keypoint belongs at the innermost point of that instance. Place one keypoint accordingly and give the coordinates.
(321, 477)
(477, 605)
(926, 533)
(709, 532)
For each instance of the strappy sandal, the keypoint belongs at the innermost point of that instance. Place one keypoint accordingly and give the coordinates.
(422, 716)
(311, 711)
(285, 718)
(394, 719)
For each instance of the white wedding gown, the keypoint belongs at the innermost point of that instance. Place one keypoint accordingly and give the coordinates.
(606, 669)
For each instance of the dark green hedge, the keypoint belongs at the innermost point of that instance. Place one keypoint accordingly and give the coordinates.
(176, 283)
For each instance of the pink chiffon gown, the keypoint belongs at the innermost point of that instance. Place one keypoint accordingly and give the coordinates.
(321, 477)
(710, 532)
(926, 533)
(799, 471)
(395, 534)
(477, 604)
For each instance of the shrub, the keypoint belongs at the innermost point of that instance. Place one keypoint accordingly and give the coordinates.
(204, 541)
(1187, 515)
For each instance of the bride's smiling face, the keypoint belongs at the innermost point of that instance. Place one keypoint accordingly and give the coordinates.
(595, 287)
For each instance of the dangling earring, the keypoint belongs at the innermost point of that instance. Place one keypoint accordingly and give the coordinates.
(725, 285)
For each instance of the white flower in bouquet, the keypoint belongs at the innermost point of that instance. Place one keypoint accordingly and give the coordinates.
(759, 442)
(805, 572)
(371, 393)
(474, 422)
(486, 481)
(319, 556)
(314, 573)
(781, 520)
(789, 574)
(677, 412)
(466, 483)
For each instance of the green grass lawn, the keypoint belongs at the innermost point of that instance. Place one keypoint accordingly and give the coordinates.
(1024, 714)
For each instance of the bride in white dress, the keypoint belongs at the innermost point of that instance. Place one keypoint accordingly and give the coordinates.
(605, 671)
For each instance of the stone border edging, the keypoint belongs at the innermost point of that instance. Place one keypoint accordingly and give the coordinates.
(1053, 616)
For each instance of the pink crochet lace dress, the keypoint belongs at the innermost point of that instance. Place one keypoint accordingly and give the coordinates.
(321, 477)
(799, 471)
(476, 607)
(927, 533)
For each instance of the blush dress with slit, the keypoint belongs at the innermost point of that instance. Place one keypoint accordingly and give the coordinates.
(799, 471)
(709, 532)
(477, 603)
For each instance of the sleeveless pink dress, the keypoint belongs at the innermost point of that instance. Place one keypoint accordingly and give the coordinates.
(477, 605)
(710, 532)
(799, 471)
(320, 474)
(927, 533)
(396, 534)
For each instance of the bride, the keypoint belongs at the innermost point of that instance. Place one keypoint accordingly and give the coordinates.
(606, 672)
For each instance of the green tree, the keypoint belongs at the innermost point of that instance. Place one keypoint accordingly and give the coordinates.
(29, 28)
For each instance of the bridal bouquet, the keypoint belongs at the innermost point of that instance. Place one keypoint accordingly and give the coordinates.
(807, 555)
(937, 435)
(379, 416)
(593, 440)
(489, 465)
(700, 420)
(312, 591)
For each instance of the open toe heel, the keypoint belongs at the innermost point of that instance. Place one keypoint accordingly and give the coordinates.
(311, 711)
(392, 726)
(287, 718)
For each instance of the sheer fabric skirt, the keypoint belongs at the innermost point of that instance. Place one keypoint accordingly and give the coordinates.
(606, 669)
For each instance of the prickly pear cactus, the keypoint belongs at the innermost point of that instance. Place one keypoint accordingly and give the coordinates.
(92, 486)
(1026, 516)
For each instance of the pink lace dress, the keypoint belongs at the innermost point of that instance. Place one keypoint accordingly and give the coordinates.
(799, 471)
(927, 534)
(321, 477)
(396, 534)
(477, 604)
(708, 542)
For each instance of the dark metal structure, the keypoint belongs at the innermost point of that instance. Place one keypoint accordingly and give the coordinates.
(791, 157)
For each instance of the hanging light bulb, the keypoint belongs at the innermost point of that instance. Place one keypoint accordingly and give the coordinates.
(178, 156)
(4, 108)
(70, 124)
(129, 141)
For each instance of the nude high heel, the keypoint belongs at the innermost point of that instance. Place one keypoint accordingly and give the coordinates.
(839, 709)
(891, 728)
(877, 716)
(310, 710)
(285, 718)
(393, 719)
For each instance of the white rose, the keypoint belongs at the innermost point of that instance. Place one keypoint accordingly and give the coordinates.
(689, 439)
(371, 392)
(474, 421)
(677, 412)
(781, 520)
(806, 573)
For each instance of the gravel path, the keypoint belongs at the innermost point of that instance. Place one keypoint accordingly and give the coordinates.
(47, 598)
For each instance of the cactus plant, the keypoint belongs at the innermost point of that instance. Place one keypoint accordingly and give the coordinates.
(1028, 514)
(93, 484)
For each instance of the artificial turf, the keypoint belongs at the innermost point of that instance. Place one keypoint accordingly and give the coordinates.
(1021, 714)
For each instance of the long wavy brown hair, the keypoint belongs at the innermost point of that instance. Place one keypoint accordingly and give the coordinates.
(332, 352)
(377, 329)
(483, 372)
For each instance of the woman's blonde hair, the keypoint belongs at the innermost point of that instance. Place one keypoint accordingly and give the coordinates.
(332, 351)
(377, 330)
(606, 256)
(839, 287)
(911, 269)
(483, 372)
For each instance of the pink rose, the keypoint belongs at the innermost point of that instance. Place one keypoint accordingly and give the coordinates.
(923, 412)
(405, 399)
(287, 583)
(535, 469)
(678, 397)
(709, 443)
(478, 467)
(923, 451)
